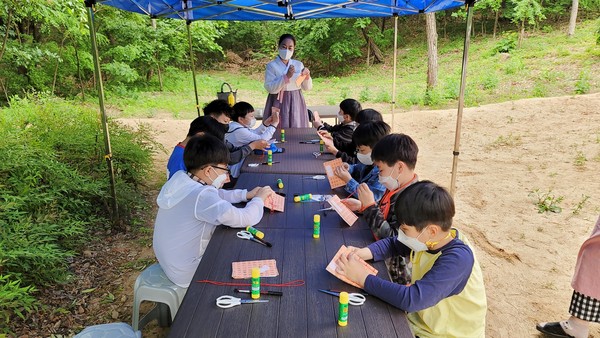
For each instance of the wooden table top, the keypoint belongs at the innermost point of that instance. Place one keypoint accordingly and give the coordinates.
(302, 311)
(298, 158)
(298, 214)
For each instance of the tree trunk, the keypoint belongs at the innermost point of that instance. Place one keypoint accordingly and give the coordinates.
(6, 34)
(382, 25)
(496, 22)
(62, 45)
(521, 33)
(378, 56)
(573, 19)
(432, 63)
(368, 54)
(79, 73)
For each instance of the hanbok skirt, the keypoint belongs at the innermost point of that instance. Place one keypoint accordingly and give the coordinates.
(293, 112)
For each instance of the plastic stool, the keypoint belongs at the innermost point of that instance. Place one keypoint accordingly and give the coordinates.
(153, 285)
(112, 330)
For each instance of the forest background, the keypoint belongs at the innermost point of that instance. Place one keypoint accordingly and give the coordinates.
(54, 189)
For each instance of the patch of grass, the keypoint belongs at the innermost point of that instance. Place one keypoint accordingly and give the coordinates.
(546, 201)
(506, 141)
(583, 86)
(579, 206)
(580, 159)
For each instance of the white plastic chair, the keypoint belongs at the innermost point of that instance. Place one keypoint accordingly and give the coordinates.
(112, 330)
(153, 285)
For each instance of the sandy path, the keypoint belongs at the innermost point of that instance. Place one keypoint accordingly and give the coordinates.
(507, 151)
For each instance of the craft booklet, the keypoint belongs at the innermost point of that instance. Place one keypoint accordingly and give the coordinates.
(332, 266)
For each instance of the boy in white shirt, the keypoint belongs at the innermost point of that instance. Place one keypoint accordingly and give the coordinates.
(191, 205)
(241, 130)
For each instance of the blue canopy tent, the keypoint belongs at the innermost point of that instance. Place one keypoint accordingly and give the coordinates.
(263, 10)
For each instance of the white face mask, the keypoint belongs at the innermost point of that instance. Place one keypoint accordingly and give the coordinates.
(365, 159)
(286, 54)
(251, 123)
(389, 182)
(219, 181)
(412, 242)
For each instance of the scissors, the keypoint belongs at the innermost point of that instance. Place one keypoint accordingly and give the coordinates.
(225, 302)
(353, 299)
(316, 177)
(247, 235)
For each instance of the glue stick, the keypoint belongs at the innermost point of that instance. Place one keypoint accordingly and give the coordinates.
(255, 232)
(305, 197)
(316, 226)
(255, 289)
(321, 143)
(279, 183)
(282, 135)
(343, 316)
(270, 157)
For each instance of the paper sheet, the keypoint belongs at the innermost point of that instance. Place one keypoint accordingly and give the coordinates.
(345, 213)
(242, 270)
(275, 202)
(330, 166)
(299, 80)
(332, 266)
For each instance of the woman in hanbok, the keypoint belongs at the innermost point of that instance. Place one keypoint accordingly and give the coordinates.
(285, 78)
(585, 302)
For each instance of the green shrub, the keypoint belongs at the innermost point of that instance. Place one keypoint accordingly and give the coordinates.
(14, 300)
(582, 86)
(54, 188)
(507, 44)
(365, 95)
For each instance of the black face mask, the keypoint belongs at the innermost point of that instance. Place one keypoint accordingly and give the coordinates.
(225, 127)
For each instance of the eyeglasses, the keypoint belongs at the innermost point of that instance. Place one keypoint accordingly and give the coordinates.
(225, 169)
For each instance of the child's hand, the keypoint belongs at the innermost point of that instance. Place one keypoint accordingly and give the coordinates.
(363, 253)
(274, 117)
(250, 194)
(259, 144)
(325, 135)
(264, 192)
(365, 195)
(350, 266)
(352, 203)
(343, 174)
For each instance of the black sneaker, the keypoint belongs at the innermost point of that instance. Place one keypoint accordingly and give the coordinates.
(553, 329)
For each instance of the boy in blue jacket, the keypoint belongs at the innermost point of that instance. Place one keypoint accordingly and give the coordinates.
(365, 137)
(446, 296)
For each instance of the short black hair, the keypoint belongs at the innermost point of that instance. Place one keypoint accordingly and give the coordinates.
(241, 109)
(424, 203)
(286, 36)
(204, 150)
(396, 147)
(208, 125)
(367, 115)
(350, 107)
(369, 133)
(217, 108)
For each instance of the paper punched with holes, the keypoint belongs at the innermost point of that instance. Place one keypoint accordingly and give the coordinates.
(346, 214)
(242, 270)
(275, 202)
(332, 266)
(330, 166)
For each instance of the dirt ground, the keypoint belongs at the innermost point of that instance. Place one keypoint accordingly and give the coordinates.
(512, 155)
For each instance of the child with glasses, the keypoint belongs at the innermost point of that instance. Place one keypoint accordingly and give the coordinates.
(191, 204)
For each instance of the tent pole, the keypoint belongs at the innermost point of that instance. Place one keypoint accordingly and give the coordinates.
(461, 96)
(188, 23)
(394, 80)
(100, 87)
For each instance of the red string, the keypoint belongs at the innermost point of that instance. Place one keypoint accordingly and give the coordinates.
(294, 283)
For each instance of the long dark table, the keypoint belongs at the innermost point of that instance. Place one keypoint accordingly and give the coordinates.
(298, 214)
(302, 311)
(298, 158)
